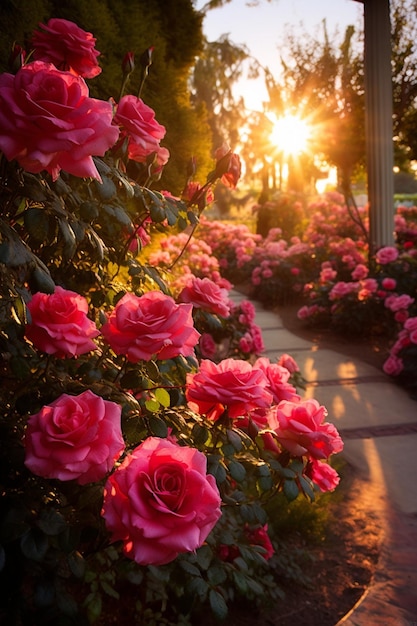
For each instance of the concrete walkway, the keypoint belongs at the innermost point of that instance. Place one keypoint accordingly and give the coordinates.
(378, 424)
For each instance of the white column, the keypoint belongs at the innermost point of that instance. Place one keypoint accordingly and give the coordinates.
(379, 129)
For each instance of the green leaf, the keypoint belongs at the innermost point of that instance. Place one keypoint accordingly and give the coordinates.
(240, 581)
(189, 568)
(199, 587)
(132, 380)
(216, 575)
(163, 397)
(235, 440)
(152, 370)
(265, 483)
(307, 487)
(204, 556)
(200, 434)
(51, 522)
(247, 513)
(108, 589)
(152, 405)
(290, 490)
(158, 426)
(237, 471)
(106, 189)
(44, 593)
(77, 564)
(69, 239)
(41, 280)
(37, 223)
(218, 604)
(34, 544)
(94, 606)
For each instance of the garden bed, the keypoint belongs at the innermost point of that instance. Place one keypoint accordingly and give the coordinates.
(343, 561)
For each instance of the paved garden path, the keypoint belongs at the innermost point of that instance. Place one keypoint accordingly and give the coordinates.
(378, 423)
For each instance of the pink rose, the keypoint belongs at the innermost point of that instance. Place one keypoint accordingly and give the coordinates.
(277, 377)
(385, 255)
(138, 124)
(389, 284)
(259, 537)
(160, 502)
(150, 326)
(74, 438)
(393, 366)
(411, 327)
(300, 428)
(232, 384)
(59, 324)
(228, 166)
(204, 294)
(48, 122)
(207, 346)
(360, 272)
(323, 475)
(396, 303)
(287, 361)
(67, 46)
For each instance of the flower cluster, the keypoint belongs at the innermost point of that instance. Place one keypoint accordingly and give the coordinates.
(141, 427)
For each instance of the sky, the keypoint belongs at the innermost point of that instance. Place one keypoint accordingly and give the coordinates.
(262, 29)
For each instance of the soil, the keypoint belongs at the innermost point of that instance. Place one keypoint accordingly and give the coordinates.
(341, 568)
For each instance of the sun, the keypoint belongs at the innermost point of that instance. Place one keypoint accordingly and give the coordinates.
(291, 134)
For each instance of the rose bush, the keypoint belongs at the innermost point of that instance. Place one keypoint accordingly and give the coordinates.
(74, 438)
(160, 501)
(120, 445)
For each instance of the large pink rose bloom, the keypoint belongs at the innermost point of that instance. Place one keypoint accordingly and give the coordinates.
(138, 124)
(232, 384)
(300, 429)
(49, 122)
(59, 324)
(67, 46)
(150, 326)
(205, 294)
(160, 502)
(74, 438)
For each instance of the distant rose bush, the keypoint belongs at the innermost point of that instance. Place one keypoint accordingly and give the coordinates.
(59, 324)
(150, 326)
(74, 438)
(49, 122)
(160, 502)
(67, 46)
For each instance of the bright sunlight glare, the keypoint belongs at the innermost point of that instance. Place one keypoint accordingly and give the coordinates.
(290, 134)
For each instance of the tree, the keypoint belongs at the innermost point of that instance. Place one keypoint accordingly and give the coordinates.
(217, 69)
